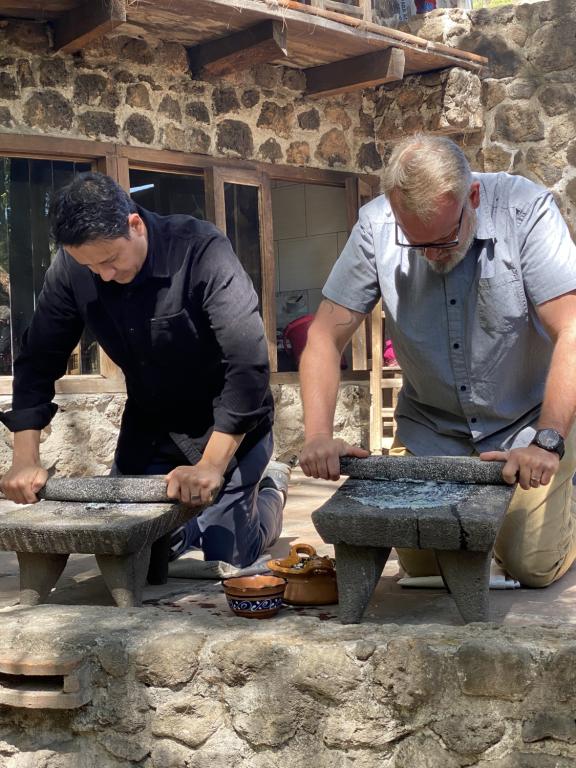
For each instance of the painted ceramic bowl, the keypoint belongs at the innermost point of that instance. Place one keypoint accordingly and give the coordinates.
(311, 578)
(254, 597)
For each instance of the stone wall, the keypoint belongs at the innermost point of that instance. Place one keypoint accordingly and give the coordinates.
(128, 91)
(527, 120)
(167, 691)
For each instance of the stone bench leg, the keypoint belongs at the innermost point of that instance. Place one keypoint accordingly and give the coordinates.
(39, 573)
(159, 559)
(467, 576)
(358, 570)
(125, 575)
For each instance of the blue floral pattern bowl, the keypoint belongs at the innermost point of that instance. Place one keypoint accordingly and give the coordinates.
(254, 597)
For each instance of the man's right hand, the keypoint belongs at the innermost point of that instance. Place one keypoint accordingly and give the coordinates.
(320, 456)
(23, 481)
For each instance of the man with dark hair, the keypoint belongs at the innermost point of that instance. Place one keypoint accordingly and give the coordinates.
(170, 304)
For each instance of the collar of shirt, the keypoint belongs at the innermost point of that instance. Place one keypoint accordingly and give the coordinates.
(156, 264)
(485, 229)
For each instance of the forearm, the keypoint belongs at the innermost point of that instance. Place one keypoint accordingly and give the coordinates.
(26, 447)
(559, 404)
(319, 385)
(220, 449)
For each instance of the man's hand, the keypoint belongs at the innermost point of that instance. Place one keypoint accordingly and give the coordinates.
(23, 481)
(197, 485)
(320, 456)
(531, 467)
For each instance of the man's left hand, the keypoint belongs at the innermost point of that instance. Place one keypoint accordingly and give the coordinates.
(531, 467)
(197, 485)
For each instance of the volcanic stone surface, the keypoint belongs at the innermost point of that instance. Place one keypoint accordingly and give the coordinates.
(456, 469)
(125, 489)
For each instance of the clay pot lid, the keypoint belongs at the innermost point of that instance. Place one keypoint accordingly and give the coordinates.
(254, 585)
(295, 565)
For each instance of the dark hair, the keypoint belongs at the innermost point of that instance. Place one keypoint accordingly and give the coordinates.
(91, 207)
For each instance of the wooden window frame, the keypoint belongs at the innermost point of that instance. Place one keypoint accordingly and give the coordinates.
(116, 160)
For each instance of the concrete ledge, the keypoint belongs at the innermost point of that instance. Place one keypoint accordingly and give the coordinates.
(174, 690)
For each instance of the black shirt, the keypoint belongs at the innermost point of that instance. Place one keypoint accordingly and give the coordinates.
(186, 333)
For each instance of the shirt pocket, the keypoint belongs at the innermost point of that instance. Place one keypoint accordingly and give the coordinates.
(173, 338)
(501, 304)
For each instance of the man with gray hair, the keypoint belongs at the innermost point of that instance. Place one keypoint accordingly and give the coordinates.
(477, 275)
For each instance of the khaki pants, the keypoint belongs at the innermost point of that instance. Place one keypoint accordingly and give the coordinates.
(537, 541)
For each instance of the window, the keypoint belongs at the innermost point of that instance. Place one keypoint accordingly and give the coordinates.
(26, 252)
(167, 193)
(310, 230)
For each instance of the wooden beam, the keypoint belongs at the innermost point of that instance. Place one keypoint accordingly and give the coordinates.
(89, 21)
(253, 46)
(352, 74)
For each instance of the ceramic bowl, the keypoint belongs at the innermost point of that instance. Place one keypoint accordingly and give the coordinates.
(254, 597)
(311, 578)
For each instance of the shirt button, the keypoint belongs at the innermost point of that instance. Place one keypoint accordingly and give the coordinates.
(456, 346)
(463, 388)
(452, 301)
(473, 420)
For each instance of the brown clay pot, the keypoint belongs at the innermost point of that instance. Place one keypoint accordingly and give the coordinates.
(311, 579)
(254, 597)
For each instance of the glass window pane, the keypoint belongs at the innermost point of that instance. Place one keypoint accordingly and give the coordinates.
(167, 193)
(310, 230)
(243, 229)
(26, 251)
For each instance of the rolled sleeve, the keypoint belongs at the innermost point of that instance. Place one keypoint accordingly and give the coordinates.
(29, 418)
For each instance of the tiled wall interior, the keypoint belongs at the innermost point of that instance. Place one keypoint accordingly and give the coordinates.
(310, 230)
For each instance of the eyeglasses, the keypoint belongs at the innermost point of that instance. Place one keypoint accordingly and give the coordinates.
(421, 246)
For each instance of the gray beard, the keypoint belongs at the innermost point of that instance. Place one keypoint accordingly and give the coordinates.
(456, 255)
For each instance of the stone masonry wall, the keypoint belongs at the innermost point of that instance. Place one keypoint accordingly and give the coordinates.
(527, 120)
(129, 91)
(171, 692)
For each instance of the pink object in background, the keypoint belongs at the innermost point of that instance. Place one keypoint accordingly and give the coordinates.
(389, 355)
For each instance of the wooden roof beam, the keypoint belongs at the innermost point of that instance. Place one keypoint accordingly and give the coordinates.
(251, 47)
(352, 74)
(87, 22)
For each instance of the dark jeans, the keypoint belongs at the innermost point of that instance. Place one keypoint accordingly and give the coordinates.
(242, 522)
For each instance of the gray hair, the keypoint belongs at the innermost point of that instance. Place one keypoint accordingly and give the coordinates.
(423, 168)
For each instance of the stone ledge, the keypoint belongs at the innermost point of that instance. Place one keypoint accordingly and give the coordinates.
(298, 689)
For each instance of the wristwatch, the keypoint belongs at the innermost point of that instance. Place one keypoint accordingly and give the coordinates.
(549, 440)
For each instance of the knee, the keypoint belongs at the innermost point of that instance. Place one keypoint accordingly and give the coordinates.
(534, 572)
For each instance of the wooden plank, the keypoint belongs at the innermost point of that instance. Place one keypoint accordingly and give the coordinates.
(359, 339)
(268, 270)
(257, 45)
(52, 148)
(353, 74)
(214, 196)
(376, 382)
(88, 22)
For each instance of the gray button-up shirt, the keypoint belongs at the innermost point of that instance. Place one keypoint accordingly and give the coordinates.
(473, 352)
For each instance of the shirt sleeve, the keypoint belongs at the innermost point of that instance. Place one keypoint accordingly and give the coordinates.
(353, 281)
(47, 343)
(547, 253)
(230, 302)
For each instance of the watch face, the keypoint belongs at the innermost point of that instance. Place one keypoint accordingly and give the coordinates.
(549, 438)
